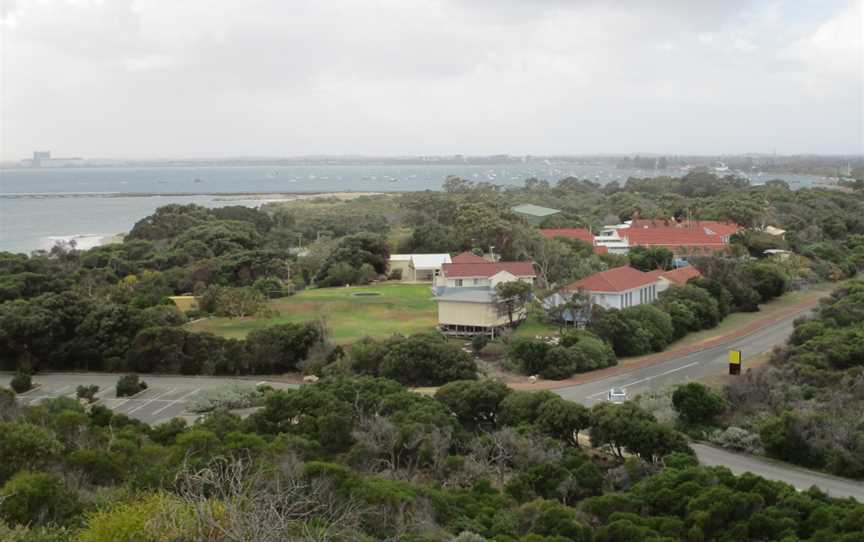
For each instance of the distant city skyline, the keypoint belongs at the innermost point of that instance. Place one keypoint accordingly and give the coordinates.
(216, 80)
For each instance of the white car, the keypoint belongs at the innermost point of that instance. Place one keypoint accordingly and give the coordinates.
(617, 395)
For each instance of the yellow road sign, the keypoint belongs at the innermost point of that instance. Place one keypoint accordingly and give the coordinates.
(735, 357)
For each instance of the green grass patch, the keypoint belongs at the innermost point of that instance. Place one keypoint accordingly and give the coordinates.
(533, 326)
(399, 308)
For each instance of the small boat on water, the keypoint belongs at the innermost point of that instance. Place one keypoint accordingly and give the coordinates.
(198, 180)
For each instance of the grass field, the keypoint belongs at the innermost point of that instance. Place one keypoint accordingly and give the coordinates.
(399, 308)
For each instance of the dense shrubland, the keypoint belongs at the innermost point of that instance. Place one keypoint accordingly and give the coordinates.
(365, 459)
(806, 405)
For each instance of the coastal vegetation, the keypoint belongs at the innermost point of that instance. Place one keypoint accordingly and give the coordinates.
(805, 405)
(365, 459)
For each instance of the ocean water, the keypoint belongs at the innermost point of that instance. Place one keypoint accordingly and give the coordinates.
(39, 207)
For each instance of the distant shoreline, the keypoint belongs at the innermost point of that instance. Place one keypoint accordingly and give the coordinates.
(285, 196)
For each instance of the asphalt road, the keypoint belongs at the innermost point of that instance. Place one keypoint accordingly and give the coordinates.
(695, 366)
(166, 396)
(714, 361)
(801, 479)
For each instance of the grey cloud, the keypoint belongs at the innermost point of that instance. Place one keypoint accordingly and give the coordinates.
(210, 78)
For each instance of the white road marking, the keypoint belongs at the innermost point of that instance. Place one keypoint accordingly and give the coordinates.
(103, 391)
(646, 379)
(148, 401)
(175, 401)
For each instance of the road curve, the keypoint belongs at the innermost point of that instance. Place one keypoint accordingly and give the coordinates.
(713, 361)
(683, 369)
(801, 479)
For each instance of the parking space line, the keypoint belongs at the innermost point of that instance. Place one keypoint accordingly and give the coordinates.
(145, 390)
(103, 391)
(175, 401)
(148, 401)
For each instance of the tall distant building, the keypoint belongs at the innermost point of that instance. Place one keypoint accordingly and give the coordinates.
(43, 159)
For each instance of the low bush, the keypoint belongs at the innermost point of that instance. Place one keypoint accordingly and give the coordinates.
(736, 438)
(229, 397)
(129, 385)
(478, 343)
(21, 383)
(87, 392)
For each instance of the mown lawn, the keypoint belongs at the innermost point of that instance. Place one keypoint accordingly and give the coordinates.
(399, 308)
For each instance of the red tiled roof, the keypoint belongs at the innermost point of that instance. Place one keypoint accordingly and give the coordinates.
(600, 249)
(656, 274)
(709, 227)
(468, 257)
(672, 238)
(487, 269)
(720, 228)
(614, 280)
(652, 223)
(570, 233)
(681, 275)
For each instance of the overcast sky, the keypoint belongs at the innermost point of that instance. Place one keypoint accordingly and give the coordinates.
(212, 78)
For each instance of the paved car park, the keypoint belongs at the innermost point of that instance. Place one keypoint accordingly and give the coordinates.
(166, 396)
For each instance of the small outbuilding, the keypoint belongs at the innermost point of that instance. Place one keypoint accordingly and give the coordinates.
(534, 214)
(418, 267)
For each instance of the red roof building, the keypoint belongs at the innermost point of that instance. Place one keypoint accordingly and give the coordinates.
(487, 269)
(468, 257)
(618, 279)
(681, 275)
(709, 227)
(678, 240)
(618, 288)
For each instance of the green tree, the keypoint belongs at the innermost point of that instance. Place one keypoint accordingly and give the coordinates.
(26, 446)
(36, 498)
(697, 404)
(475, 403)
(649, 259)
(427, 359)
(511, 297)
(355, 250)
(279, 348)
(563, 420)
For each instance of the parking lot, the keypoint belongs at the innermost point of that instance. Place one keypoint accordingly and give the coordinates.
(166, 396)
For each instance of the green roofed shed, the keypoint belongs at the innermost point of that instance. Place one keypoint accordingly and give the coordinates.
(534, 213)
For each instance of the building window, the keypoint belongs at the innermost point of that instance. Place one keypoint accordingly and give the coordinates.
(458, 282)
